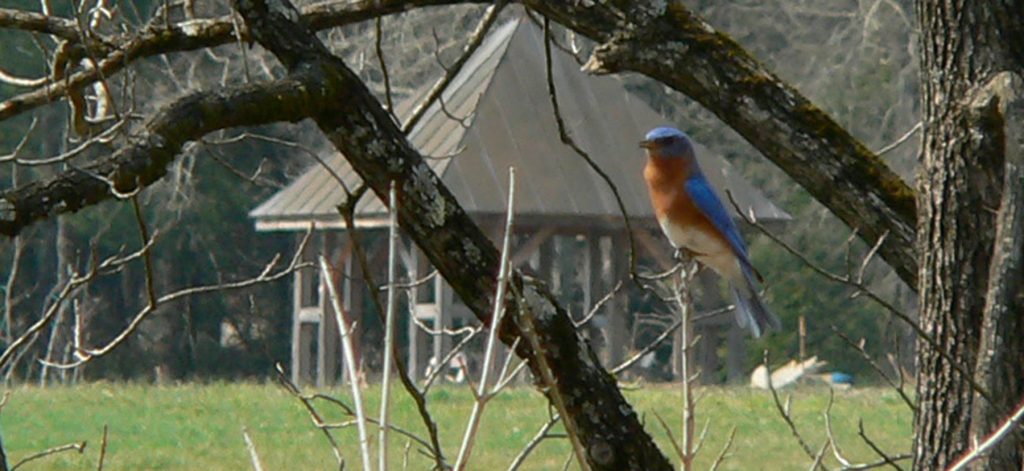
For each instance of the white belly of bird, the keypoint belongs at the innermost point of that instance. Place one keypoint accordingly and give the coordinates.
(710, 250)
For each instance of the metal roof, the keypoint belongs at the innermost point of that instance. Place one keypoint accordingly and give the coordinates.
(497, 114)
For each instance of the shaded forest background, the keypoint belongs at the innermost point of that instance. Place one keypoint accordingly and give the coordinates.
(853, 58)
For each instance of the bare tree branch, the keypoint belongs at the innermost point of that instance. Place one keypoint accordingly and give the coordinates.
(163, 38)
(79, 447)
(1004, 430)
(254, 457)
(482, 395)
(686, 53)
(318, 421)
(784, 413)
(145, 160)
(450, 71)
(567, 139)
(897, 386)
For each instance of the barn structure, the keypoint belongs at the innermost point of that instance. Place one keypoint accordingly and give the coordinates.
(494, 114)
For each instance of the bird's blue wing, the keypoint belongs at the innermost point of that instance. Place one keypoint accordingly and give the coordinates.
(704, 197)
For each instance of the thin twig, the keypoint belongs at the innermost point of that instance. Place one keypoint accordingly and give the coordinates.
(819, 456)
(291, 144)
(567, 139)
(79, 447)
(886, 459)
(476, 38)
(492, 335)
(906, 136)
(537, 438)
(878, 368)
(725, 450)
(664, 335)
(347, 211)
(318, 421)
(447, 358)
(348, 411)
(859, 285)
(389, 327)
(251, 448)
(1000, 433)
(103, 450)
(266, 276)
(833, 443)
(684, 302)
(108, 265)
(598, 305)
(784, 412)
(672, 439)
(350, 362)
(379, 48)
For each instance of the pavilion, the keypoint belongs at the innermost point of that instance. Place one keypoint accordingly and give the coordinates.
(494, 114)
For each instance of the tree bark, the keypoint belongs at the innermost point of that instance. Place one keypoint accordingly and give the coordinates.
(965, 46)
(1001, 353)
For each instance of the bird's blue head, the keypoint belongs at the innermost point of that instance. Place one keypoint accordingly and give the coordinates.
(667, 142)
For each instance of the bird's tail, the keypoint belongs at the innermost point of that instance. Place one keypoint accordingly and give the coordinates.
(750, 309)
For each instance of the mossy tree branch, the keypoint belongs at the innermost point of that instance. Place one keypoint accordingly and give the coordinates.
(669, 43)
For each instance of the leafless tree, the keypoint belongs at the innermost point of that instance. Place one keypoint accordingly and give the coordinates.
(957, 237)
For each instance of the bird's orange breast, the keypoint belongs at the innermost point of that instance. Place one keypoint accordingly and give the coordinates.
(665, 180)
(684, 224)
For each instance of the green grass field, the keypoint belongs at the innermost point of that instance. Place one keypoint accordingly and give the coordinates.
(198, 427)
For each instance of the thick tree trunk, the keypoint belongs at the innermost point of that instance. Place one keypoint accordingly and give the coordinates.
(968, 51)
(1001, 350)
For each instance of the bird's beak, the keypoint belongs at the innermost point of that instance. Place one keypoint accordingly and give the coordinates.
(646, 144)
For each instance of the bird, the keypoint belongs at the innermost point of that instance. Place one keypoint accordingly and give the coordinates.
(694, 220)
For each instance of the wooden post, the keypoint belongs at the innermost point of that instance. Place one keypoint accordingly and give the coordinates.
(307, 332)
(592, 289)
(305, 318)
(803, 338)
(617, 328)
(297, 365)
(441, 341)
(353, 305)
(350, 302)
(328, 335)
(415, 337)
(545, 261)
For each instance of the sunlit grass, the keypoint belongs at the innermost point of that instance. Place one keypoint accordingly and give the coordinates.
(198, 427)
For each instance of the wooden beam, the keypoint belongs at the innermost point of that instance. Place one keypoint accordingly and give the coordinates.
(527, 248)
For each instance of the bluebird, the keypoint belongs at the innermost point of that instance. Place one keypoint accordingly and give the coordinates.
(694, 220)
